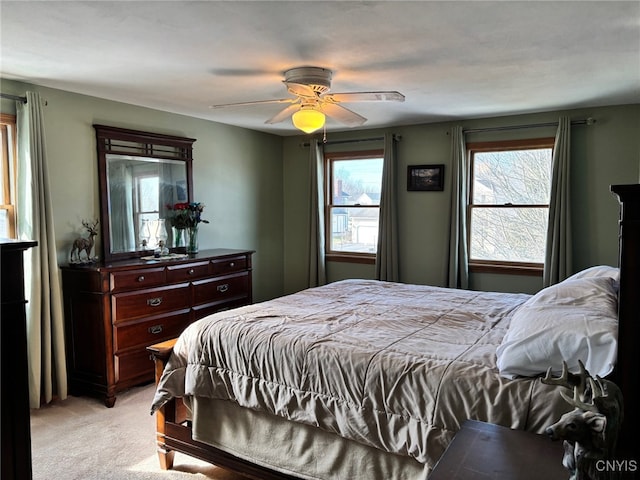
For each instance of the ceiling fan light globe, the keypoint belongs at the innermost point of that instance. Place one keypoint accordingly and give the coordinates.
(308, 120)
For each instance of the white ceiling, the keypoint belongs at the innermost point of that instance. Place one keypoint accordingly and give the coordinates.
(451, 59)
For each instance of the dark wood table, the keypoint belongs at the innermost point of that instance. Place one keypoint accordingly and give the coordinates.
(486, 451)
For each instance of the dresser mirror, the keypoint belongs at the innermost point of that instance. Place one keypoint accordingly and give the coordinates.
(141, 174)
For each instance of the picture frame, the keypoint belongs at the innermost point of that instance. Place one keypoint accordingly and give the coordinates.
(425, 178)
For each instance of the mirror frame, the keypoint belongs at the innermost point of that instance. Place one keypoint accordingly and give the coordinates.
(121, 141)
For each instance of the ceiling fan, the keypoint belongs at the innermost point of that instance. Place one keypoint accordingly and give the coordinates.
(311, 101)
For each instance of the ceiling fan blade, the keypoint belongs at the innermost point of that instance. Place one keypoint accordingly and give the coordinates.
(300, 89)
(364, 97)
(284, 114)
(258, 102)
(343, 115)
(243, 72)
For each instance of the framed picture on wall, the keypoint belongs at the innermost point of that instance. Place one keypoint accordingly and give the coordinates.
(425, 178)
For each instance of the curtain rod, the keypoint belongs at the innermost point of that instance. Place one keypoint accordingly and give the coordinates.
(13, 97)
(586, 121)
(353, 140)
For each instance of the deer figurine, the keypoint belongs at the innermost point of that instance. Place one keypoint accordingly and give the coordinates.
(81, 244)
(590, 431)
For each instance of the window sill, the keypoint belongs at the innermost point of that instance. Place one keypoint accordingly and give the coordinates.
(350, 258)
(503, 268)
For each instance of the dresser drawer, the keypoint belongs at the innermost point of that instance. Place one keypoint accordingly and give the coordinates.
(133, 279)
(186, 273)
(134, 367)
(229, 265)
(150, 330)
(230, 287)
(143, 303)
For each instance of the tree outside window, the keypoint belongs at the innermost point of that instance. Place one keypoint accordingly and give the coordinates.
(509, 203)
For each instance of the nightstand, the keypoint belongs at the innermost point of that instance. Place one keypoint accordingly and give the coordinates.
(486, 451)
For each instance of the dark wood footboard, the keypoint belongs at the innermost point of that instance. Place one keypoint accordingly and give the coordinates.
(168, 414)
(173, 432)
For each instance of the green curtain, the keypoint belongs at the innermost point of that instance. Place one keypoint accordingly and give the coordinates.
(458, 252)
(45, 321)
(317, 270)
(123, 237)
(387, 253)
(558, 255)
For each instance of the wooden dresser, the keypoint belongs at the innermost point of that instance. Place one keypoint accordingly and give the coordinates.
(114, 311)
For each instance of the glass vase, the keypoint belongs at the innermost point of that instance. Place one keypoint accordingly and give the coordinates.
(161, 232)
(192, 239)
(145, 234)
(179, 237)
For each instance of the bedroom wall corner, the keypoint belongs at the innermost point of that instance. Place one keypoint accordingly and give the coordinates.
(237, 175)
(603, 154)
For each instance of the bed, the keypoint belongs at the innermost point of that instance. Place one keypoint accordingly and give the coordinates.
(366, 379)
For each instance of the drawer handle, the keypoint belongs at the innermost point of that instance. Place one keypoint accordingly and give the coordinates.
(154, 302)
(232, 264)
(156, 329)
(141, 278)
(223, 288)
(191, 271)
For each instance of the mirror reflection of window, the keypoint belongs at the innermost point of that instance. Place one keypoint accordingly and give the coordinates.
(146, 209)
(140, 189)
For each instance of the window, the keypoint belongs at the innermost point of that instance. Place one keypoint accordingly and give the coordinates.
(8, 176)
(146, 210)
(353, 186)
(509, 204)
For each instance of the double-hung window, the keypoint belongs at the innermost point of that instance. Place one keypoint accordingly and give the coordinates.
(509, 204)
(353, 187)
(146, 196)
(8, 167)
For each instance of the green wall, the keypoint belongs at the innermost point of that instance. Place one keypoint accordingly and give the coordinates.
(605, 153)
(237, 174)
(256, 186)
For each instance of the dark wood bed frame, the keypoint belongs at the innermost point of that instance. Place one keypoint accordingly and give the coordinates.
(174, 432)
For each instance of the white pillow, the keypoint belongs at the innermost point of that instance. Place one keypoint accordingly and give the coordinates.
(598, 271)
(573, 320)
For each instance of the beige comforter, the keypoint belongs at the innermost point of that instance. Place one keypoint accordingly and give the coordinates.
(394, 366)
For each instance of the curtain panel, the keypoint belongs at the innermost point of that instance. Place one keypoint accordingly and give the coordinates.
(122, 233)
(317, 268)
(387, 252)
(45, 321)
(458, 251)
(558, 252)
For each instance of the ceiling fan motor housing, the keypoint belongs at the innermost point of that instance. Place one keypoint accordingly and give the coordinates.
(319, 79)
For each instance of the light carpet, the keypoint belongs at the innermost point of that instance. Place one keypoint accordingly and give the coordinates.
(79, 438)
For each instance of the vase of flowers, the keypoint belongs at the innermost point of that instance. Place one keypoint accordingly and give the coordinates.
(185, 218)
